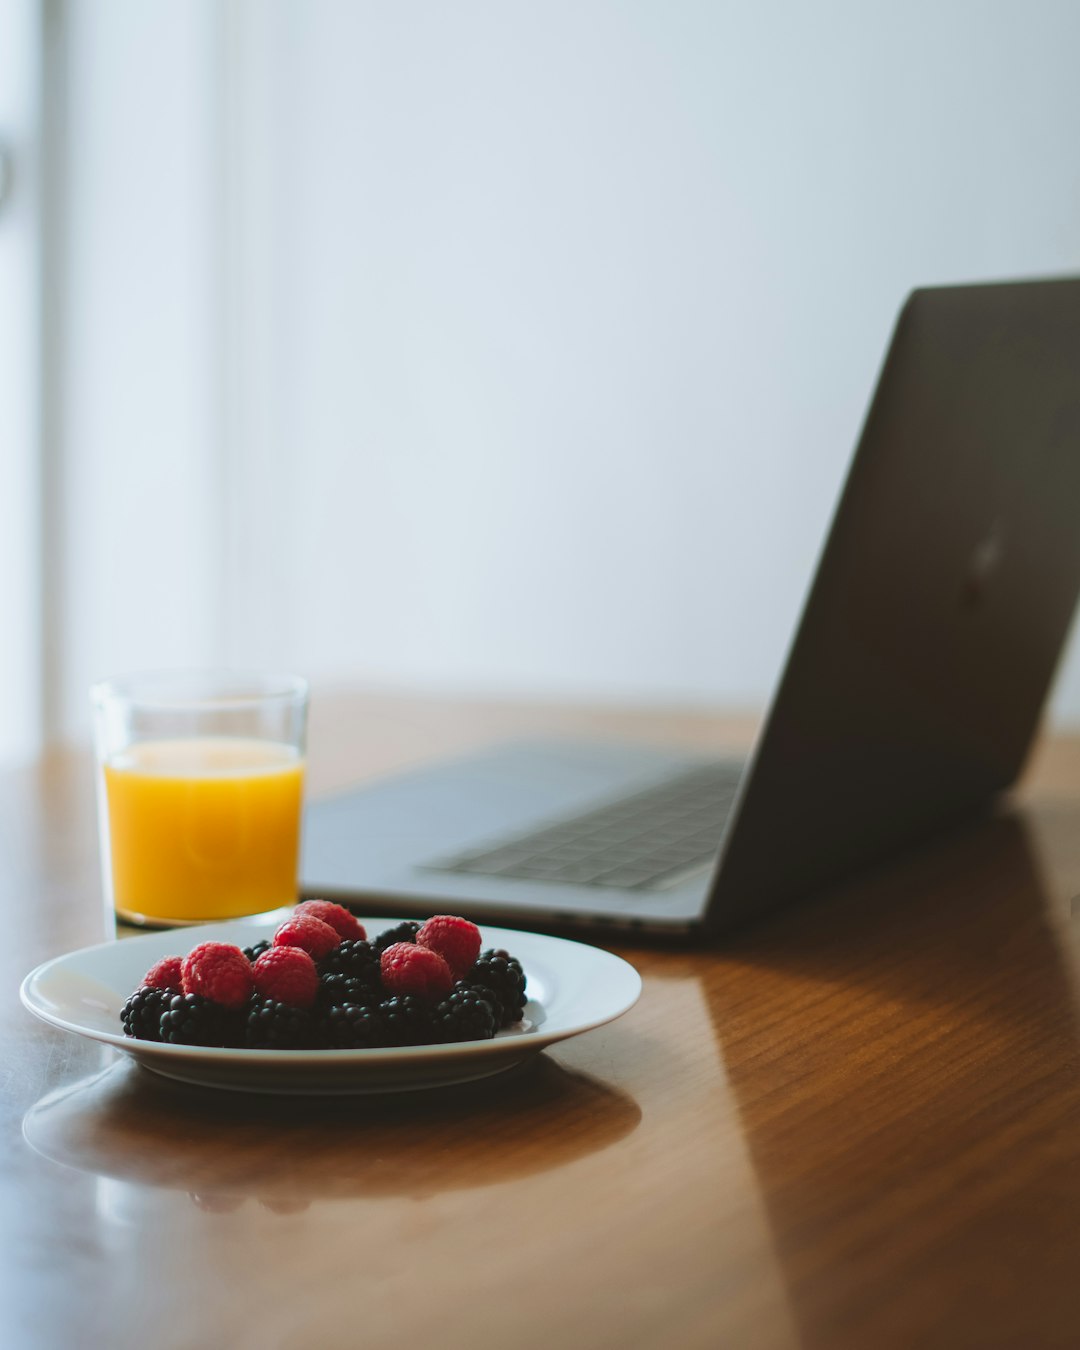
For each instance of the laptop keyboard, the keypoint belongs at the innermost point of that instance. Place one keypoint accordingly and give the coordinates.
(641, 842)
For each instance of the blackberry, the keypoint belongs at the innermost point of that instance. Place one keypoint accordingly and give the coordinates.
(334, 990)
(278, 1026)
(253, 953)
(407, 1020)
(356, 960)
(234, 1026)
(467, 1013)
(190, 1019)
(489, 995)
(348, 1026)
(141, 1014)
(502, 974)
(402, 932)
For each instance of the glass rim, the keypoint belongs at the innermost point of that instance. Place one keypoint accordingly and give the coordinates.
(208, 689)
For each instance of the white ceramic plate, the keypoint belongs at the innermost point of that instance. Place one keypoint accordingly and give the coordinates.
(572, 988)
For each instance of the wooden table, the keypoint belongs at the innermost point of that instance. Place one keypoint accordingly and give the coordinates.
(856, 1126)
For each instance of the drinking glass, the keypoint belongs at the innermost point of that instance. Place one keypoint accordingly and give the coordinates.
(200, 785)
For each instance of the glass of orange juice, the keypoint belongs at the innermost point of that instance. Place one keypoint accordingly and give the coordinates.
(200, 784)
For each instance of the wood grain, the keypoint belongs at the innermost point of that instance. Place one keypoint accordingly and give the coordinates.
(855, 1126)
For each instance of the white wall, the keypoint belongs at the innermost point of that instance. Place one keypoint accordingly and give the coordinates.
(137, 519)
(577, 308)
(545, 331)
(20, 505)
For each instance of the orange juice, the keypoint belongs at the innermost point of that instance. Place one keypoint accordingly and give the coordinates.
(204, 828)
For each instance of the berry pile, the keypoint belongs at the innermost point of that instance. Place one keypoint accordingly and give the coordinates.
(319, 983)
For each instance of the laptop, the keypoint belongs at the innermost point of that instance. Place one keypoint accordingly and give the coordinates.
(910, 695)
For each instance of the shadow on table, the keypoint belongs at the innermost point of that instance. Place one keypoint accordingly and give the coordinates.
(905, 1059)
(127, 1124)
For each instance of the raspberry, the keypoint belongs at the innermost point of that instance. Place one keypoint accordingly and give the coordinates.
(141, 1014)
(402, 932)
(287, 975)
(469, 1013)
(456, 940)
(165, 975)
(218, 971)
(343, 923)
(409, 969)
(309, 934)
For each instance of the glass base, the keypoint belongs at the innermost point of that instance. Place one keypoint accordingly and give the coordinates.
(132, 919)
